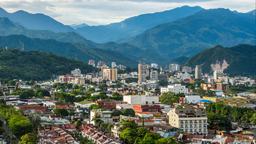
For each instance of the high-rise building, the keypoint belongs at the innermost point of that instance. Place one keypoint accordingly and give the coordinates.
(154, 75)
(189, 118)
(109, 74)
(113, 65)
(198, 72)
(174, 67)
(142, 73)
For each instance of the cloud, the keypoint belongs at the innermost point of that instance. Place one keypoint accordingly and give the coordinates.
(108, 11)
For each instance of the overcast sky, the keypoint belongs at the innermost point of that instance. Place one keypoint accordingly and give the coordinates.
(95, 12)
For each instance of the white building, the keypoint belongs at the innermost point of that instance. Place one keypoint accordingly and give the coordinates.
(76, 72)
(189, 118)
(141, 99)
(174, 67)
(175, 88)
(192, 99)
(105, 116)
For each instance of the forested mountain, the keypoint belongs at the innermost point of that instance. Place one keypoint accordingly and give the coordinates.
(241, 59)
(72, 51)
(35, 21)
(134, 25)
(16, 64)
(195, 33)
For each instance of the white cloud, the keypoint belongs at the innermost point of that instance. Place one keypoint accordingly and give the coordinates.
(108, 11)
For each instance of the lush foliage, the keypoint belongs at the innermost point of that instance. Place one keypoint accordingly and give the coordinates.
(220, 116)
(132, 134)
(18, 123)
(241, 59)
(28, 138)
(170, 98)
(15, 64)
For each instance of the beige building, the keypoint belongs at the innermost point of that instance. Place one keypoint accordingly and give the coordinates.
(190, 119)
(109, 74)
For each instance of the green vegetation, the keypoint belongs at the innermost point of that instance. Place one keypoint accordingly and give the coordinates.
(61, 112)
(170, 98)
(220, 116)
(241, 59)
(132, 134)
(15, 64)
(29, 93)
(19, 124)
(28, 138)
(125, 112)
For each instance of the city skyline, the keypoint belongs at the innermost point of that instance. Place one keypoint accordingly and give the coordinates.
(100, 12)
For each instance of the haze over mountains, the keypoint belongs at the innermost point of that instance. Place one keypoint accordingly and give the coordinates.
(134, 25)
(158, 37)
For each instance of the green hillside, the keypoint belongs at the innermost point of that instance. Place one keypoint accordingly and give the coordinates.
(16, 64)
(241, 59)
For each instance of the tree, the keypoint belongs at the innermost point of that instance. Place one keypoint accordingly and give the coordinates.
(128, 112)
(61, 112)
(166, 141)
(169, 98)
(28, 138)
(19, 125)
(94, 106)
(128, 124)
(128, 135)
(253, 119)
(26, 94)
(41, 93)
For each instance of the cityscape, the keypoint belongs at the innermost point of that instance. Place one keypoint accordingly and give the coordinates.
(183, 72)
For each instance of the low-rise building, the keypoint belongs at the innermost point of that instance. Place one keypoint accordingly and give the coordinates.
(141, 99)
(175, 88)
(189, 118)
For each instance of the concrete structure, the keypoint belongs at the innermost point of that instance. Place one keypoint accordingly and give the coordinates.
(142, 73)
(192, 99)
(76, 72)
(190, 119)
(198, 72)
(109, 74)
(154, 75)
(105, 116)
(175, 88)
(174, 67)
(141, 99)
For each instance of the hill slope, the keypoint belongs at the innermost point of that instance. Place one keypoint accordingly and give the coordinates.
(15, 64)
(192, 34)
(35, 21)
(72, 51)
(134, 25)
(241, 59)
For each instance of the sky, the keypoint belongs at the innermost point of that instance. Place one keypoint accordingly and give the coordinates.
(99, 12)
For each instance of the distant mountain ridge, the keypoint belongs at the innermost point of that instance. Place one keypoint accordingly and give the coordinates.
(67, 50)
(134, 25)
(241, 59)
(16, 64)
(190, 35)
(35, 21)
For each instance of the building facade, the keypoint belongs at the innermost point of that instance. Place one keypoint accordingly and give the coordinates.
(188, 118)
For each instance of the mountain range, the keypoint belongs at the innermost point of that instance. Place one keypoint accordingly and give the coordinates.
(190, 35)
(161, 37)
(68, 50)
(134, 25)
(241, 59)
(35, 21)
(16, 64)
